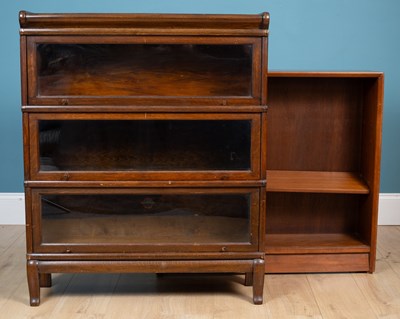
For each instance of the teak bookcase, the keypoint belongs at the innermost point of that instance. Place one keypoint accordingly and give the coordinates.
(323, 168)
(144, 144)
(149, 147)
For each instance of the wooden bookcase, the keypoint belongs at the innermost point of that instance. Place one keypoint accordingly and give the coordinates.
(323, 169)
(160, 143)
(144, 144)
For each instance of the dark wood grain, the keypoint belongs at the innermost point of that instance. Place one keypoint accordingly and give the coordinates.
(316, 182)
(314, 124)
(371, 152)
(311, 213)
(28, 221)
(139, 24)
(146, 184)
(258, 281)
(33, 282)
(26, 146)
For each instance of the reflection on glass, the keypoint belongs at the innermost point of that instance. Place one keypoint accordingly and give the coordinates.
(144, 70)
(152, 218)
(97, 145)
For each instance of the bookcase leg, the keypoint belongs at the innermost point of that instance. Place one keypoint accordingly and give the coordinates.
(33, 282)
(45, 280)
(258, 281)
(248, 279)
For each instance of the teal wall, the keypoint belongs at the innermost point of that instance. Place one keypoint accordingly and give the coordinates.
(304, 35)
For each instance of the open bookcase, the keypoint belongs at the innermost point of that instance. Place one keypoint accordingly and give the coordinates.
(323, 167)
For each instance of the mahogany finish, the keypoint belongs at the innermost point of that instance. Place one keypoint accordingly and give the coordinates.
(316, 182)
(144, 144)
(291, 189)
(199, 24)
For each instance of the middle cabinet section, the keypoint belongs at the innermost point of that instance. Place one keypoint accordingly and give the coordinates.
(141, 146)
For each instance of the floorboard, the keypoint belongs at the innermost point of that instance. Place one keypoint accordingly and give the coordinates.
(114, 296)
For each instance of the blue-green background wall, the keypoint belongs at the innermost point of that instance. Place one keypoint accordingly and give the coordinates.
(344, 35)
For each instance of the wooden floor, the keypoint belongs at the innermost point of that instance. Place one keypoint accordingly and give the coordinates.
(182, 296)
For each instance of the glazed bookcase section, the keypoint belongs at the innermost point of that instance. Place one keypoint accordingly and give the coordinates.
(145, 146)
(118, 71)
(145, 220)
(323, 167)
(121, 60)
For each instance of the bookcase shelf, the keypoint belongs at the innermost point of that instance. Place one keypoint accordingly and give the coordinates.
(316, 182)
(314, 243)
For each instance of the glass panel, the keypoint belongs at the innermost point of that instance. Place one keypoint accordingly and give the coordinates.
(144, 70)
(153, 218)
(97, 145)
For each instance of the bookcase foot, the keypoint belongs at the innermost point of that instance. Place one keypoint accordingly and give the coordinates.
(33, 282)
(258, 281)
(248, 279)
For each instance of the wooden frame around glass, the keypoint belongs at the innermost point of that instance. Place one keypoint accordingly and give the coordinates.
(252, 173)
(34, 97)
(68, 248)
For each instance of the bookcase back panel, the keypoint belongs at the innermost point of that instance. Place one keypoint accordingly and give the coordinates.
(310, 213)
(315, 124)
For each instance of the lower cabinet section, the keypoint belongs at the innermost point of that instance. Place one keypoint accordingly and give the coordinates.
(319, 232)
(88, 220)
(145, 229)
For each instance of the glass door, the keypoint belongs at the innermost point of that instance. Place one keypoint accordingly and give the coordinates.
(140, 220)
(145, 146)
(144, 70)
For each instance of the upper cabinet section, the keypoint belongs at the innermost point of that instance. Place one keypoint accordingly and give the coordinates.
(81, 60)
(98, 70)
